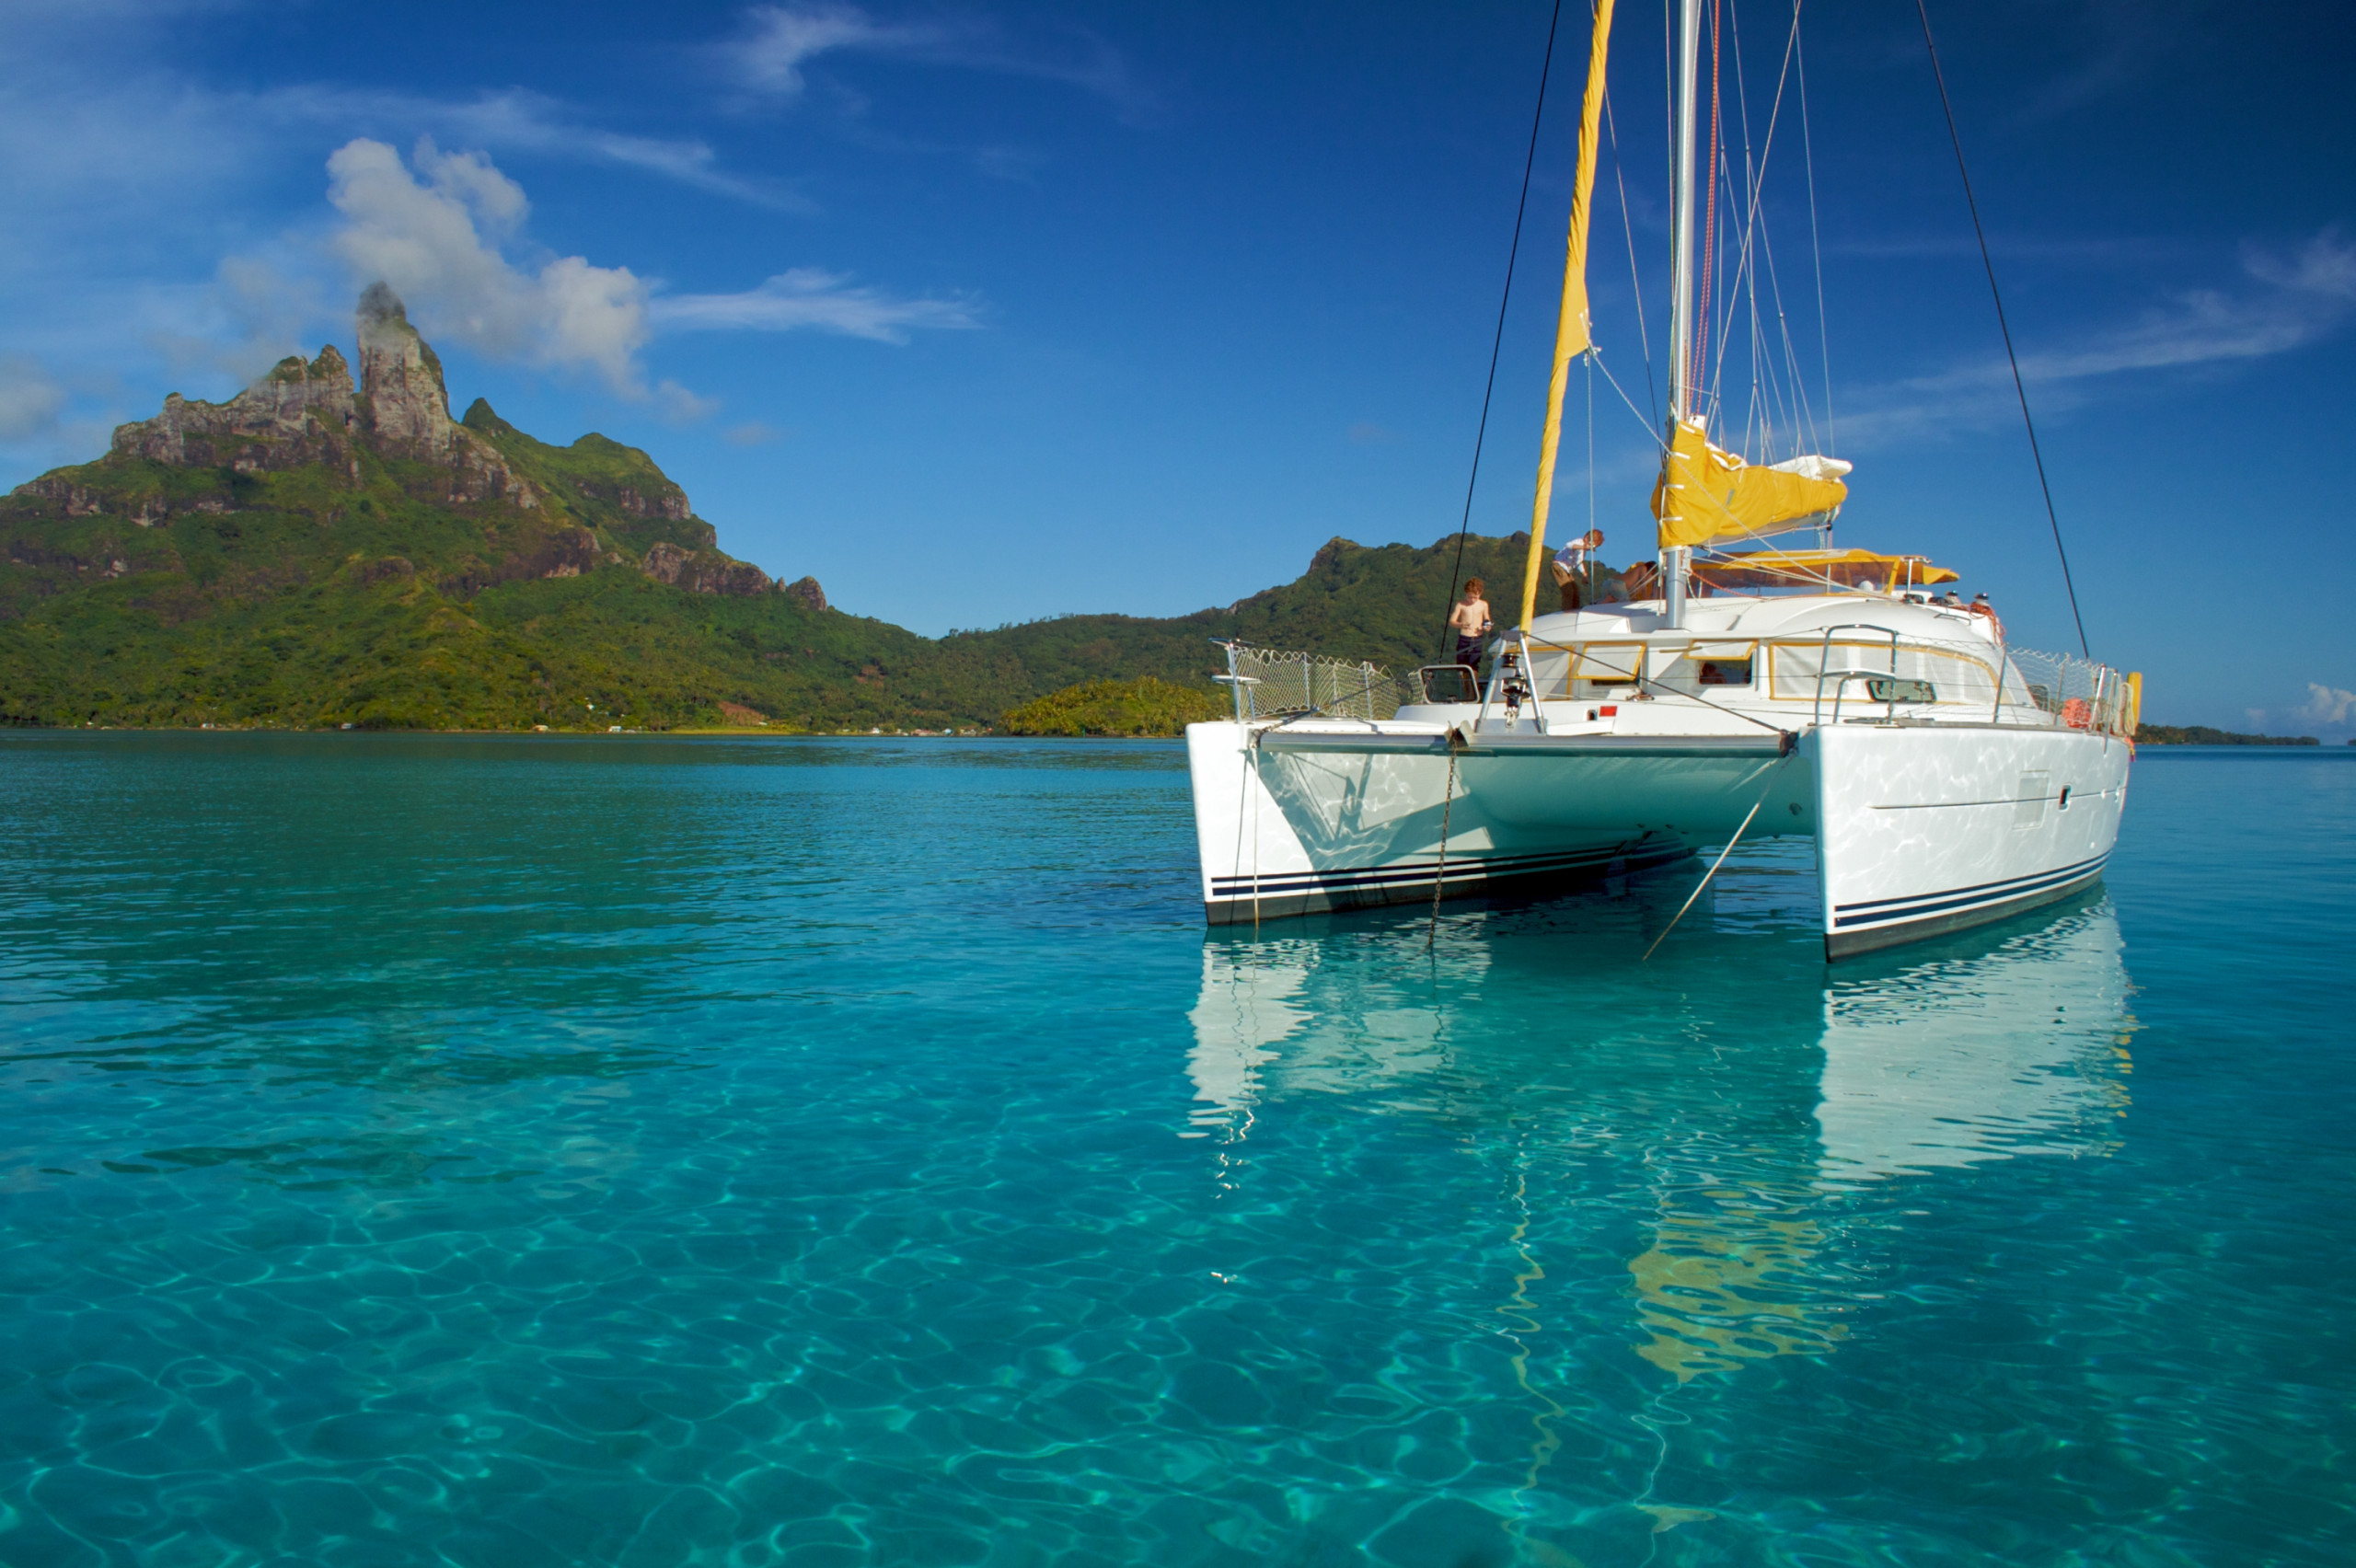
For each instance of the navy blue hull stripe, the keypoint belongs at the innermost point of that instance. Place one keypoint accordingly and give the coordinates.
(1468, 867)
(1988, 890)
(2083, 871)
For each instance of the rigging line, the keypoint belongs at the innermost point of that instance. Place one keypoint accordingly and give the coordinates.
(1790, 399)
(1803, 413)
(1716, 863)
(2019, 387)
(1590, 444)
(1497, 344)
(1756, 242)
(1816, 240)
(1635, 280)
(1652, 426)
(1744, 284)
(1710, 218)
(1730, 288)
(1448, 806)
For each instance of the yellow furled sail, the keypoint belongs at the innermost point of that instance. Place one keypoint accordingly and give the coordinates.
(1794, 569)
(1572, 335)
(1707, 495)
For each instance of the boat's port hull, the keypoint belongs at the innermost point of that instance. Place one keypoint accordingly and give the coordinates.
(1294, 821)
(1246, 900)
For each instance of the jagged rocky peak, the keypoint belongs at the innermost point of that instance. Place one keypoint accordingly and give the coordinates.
(299, 413)
(302, 413)
(400, 380)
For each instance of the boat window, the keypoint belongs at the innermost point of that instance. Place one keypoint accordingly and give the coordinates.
(1586, 669)
(1898, 688)
(1703, 665)
(1923, 675)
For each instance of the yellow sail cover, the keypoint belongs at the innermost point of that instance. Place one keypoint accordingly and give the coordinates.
(1706, 494)
(1794, 569)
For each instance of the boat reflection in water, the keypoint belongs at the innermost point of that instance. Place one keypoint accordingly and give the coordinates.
(1746, 1134)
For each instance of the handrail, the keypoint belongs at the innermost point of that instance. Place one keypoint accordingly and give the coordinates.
(1824, 657)
(2061, 690)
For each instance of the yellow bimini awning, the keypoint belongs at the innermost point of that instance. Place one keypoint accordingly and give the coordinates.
(1802, 568)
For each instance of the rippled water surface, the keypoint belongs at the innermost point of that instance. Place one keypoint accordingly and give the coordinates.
(564, 1152)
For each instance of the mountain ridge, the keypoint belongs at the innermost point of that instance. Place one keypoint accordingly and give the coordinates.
(330, 548)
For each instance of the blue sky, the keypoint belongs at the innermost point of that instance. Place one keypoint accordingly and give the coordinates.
(980, 313)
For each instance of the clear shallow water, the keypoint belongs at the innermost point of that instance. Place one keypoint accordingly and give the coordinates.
(503, 1152)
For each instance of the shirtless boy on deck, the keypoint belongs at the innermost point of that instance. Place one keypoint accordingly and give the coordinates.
(1469, 617)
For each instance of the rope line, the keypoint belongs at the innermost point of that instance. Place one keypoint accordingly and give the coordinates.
(2019, 387)
(1497, 344)
(1721, 860)
(1448, 806)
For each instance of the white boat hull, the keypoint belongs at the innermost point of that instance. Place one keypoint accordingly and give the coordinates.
(1920, 829)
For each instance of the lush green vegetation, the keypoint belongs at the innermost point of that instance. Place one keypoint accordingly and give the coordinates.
(139, 593)
(1142, 707)
(2201, 735)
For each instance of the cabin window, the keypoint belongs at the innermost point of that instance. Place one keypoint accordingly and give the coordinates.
(1899, 688)
(1704, 666)
(1923, 674)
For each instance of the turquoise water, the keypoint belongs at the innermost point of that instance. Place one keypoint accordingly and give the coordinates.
(516, 1152)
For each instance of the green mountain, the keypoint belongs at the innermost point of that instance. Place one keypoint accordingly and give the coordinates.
(321, 552)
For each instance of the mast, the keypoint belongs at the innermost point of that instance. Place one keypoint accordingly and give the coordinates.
(1683, 372)
(1573, 332)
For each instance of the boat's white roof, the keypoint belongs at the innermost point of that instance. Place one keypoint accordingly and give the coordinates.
(1747, 616)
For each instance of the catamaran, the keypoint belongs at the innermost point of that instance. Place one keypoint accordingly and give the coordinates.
(1766, 687)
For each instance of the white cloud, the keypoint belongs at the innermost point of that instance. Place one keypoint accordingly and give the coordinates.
(785, 36)
(257, 310)
(780, 39)
(675, 404)
(2328, 705)
(31, 398)
(754, 432)
(812, 298)
(441, 228)
(439, 242)
(514, 119)
(2294, 300)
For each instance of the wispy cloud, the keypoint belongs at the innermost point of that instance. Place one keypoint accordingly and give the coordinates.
(516, 121)
(780, 41)
(31, 398)
(447, 230)
(2127, 39)
(754, 432)
(812, 298)
(2287, 302)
